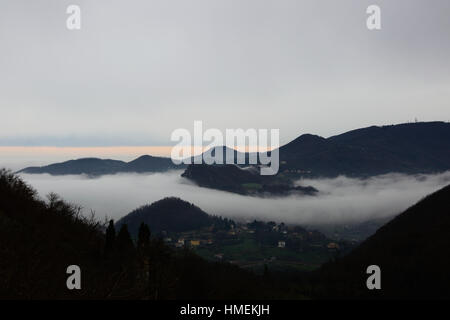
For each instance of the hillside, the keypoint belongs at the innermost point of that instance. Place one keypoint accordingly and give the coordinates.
(409, 148)
(245, 181)
(39, 240)
(98, 167)
(169, 214)
(412, 251)
(247, 245)
(406, 148)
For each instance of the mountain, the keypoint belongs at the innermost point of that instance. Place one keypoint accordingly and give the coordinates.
(98, 167)
(412, 252)
(405, 148)
(89, 166)
(168, 214)
(148, 163)
(245, 181)
(409, 148)
(208, 155)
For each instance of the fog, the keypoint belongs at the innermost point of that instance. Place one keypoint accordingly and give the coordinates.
(341, 200)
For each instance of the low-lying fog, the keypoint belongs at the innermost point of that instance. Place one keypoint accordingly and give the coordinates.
(341, 200)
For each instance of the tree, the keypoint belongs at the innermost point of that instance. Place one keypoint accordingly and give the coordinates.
(266, 274)
(124, 241)
(110, 236)
(143, 236)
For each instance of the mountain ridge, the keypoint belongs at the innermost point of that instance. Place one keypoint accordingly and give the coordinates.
(409, 148)
(98, 167)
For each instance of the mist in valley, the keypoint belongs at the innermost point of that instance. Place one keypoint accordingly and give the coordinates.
(340, 201)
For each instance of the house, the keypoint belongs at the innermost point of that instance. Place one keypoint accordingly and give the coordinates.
(180, 243)
(333, 245)
(281, 244)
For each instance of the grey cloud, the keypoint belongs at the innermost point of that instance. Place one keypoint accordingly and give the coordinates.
(139, 69)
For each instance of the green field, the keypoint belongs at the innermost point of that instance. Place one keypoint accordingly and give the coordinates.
(252, 186)
(248, 253)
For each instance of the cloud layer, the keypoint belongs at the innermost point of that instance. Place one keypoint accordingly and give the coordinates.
(341, 200)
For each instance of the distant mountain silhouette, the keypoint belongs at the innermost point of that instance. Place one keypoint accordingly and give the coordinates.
(97, 167)
(409, 148)
(405, 148)
(150, 164)
(412, 251)
(168, 214)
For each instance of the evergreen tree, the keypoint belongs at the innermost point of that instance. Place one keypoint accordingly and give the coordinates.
(124, 241)
(143, 236)
(266, 273)
(110, 236)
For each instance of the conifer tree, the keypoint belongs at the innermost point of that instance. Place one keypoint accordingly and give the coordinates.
(143, 236)
(110, 236)
(124, 239)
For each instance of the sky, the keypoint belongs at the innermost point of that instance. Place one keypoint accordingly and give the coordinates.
(138, 70)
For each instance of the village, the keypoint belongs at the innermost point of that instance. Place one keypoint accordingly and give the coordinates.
(258, 244)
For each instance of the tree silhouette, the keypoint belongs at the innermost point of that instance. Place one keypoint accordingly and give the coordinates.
(110, 237)
(124, 241)
(266, 272)
(143, 237)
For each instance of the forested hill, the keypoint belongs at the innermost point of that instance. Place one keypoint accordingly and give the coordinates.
(422, 147)
(412, 251)
(169, 214)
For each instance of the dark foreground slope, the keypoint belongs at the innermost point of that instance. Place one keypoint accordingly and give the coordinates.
(412, 251)
(39, 240)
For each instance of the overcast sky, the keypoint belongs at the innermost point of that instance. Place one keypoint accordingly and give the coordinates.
(137, 70)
